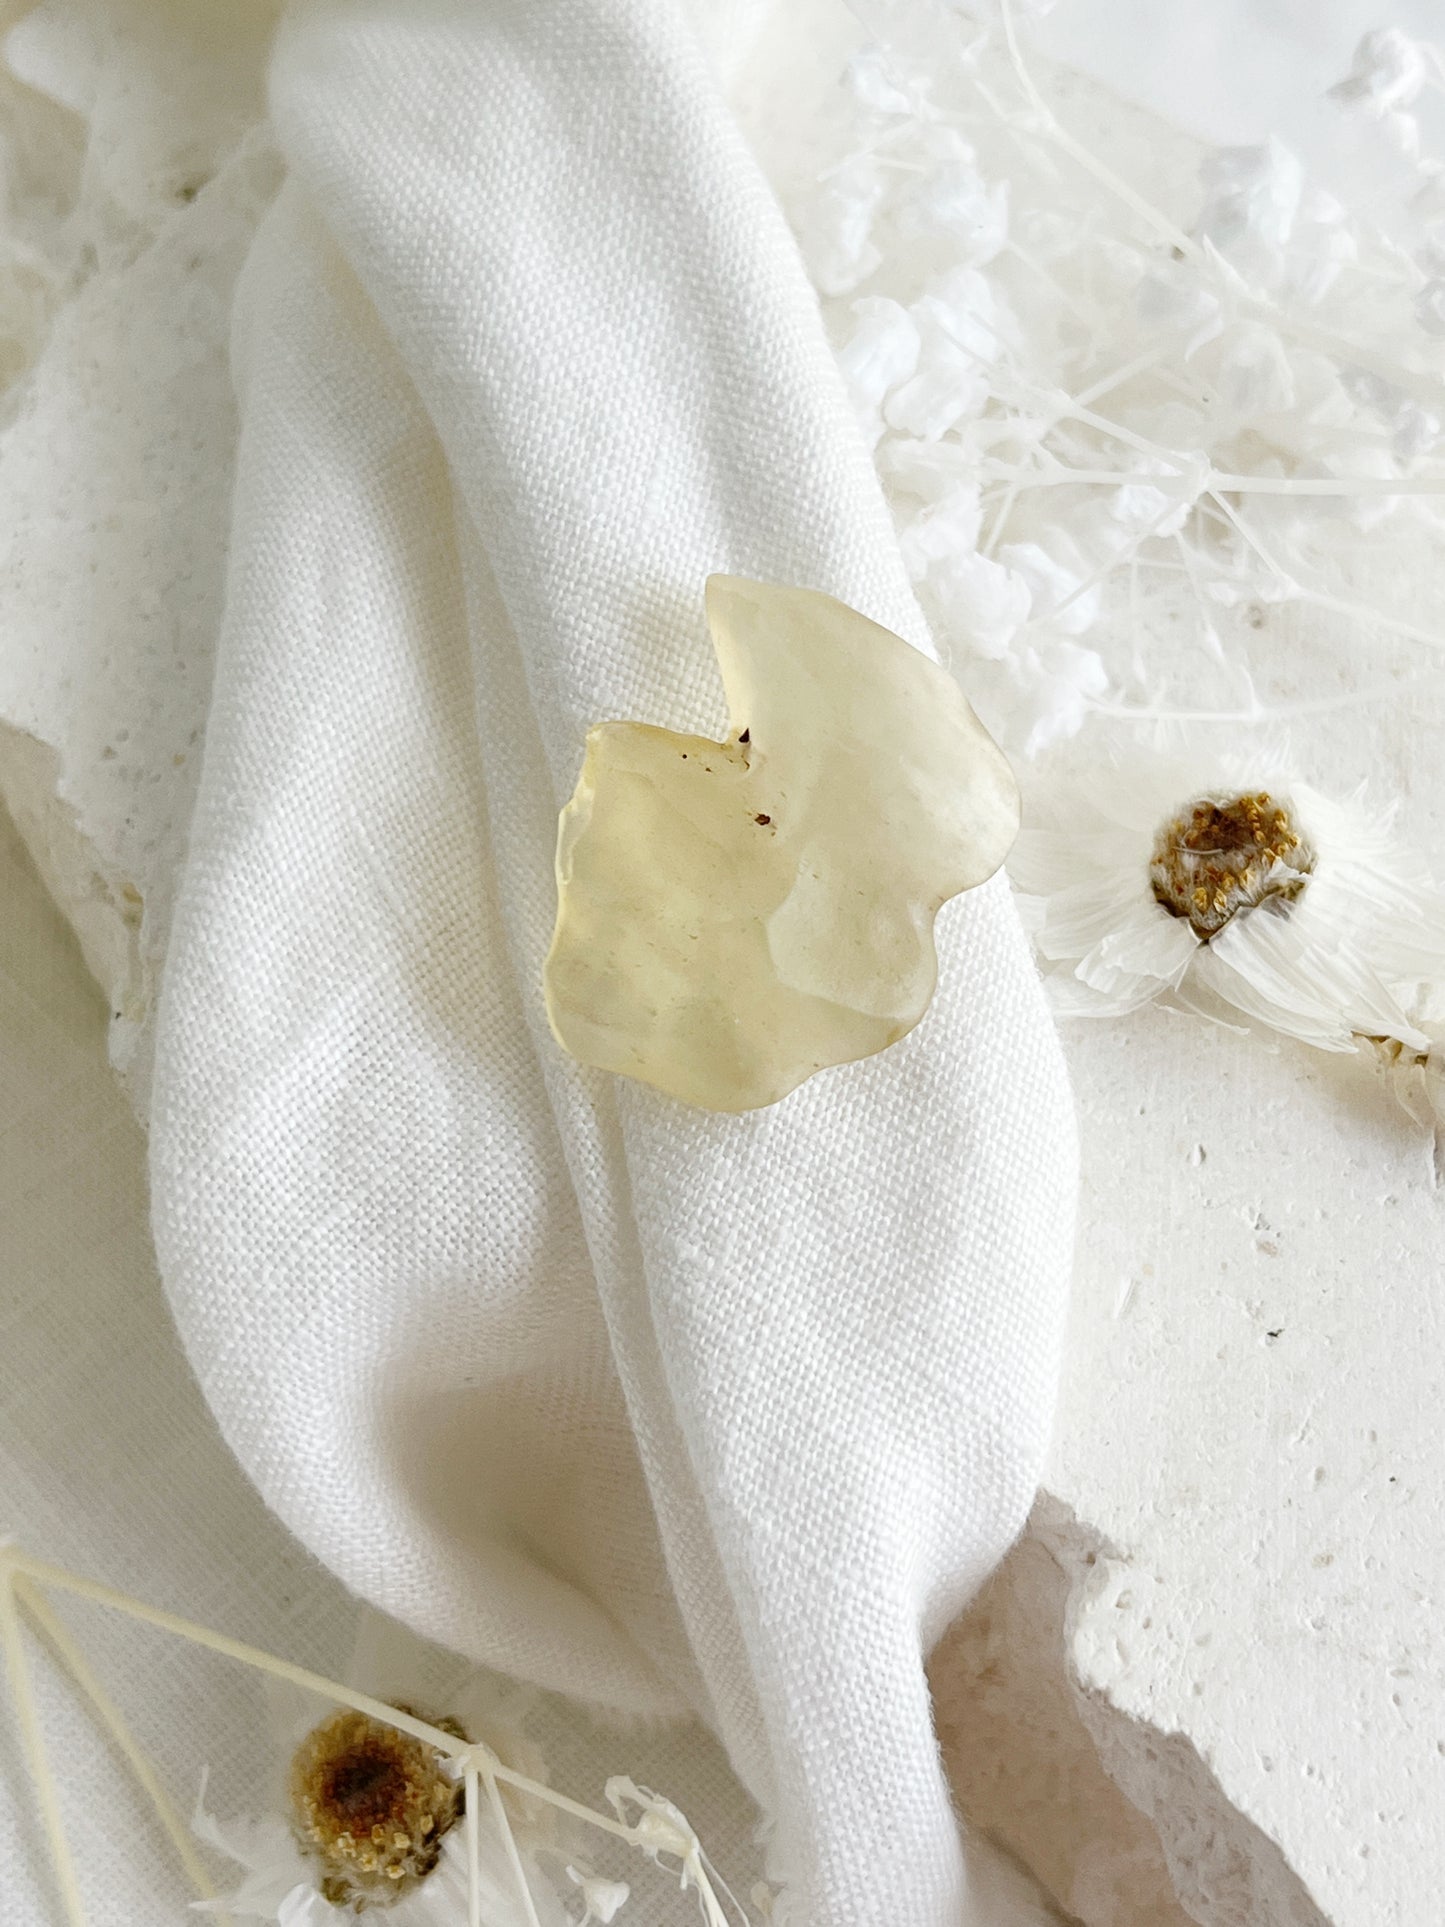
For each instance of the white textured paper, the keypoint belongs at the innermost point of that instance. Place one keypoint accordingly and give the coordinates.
(661, 1408)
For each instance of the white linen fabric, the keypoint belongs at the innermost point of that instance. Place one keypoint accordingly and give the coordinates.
(666, 1410)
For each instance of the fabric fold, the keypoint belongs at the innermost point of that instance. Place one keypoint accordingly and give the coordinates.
(666, 1410)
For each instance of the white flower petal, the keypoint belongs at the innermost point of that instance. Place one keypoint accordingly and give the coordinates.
(875, 85)
(1145, 952)
(1070, 996)
(948, 385)
(1058, 591)
(1150, 943)
(1245, 977)
(1042, 861)
(304, 1907)
(1387, 72)
(879, 353)
(1077, 920)
(982, 602)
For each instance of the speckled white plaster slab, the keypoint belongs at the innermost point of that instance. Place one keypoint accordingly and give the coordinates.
(116, 457)
(1230, 1596)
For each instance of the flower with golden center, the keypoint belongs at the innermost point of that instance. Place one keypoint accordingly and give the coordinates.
(1224, 884)
(373, 1805)
(1225, 854)
(364, 1815)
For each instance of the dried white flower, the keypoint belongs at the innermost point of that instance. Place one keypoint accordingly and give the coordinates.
(837, 236)
(942, 532)
(1041, 693)
(1254, 371)
(877, 86)
(280, 1882)
(1251, 199)
(372, 1787)
(953, 202)
(879, 353)
(949, 386)
(976, 599)
(603, 1899)
(371, 1806)
(368, 1814)
(1388, 71)
(1232, 887)
(1058, 583)
(963, 307)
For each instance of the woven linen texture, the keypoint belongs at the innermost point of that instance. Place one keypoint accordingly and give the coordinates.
(667, 1410)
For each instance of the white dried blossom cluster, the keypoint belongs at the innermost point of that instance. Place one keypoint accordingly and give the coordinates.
(1089, 388)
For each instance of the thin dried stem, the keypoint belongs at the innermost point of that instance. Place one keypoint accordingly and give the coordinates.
(509, 1843)
(1319, 598)
(38, 1610)
(1420, 384)
(62, 1581)
(1105, 176)
(33, 1743)
(1215, 480)
(1142, 364)
(1104, 385)
(471, 1821)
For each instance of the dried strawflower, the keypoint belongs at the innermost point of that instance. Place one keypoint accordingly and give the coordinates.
(373, 1805)
(372, 1817)
(734, 916)
(1228, 885)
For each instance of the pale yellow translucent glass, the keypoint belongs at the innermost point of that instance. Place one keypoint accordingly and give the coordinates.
(733, 917)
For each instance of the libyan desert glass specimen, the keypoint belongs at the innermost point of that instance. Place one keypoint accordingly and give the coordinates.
(733, 917)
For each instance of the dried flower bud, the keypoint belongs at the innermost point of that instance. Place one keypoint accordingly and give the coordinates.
(372, 1804)
(1223, 855)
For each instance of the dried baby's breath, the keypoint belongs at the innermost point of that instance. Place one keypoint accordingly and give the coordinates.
(1094, 411)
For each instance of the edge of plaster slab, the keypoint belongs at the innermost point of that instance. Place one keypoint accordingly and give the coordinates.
(105, 911)
(1122, 1823)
